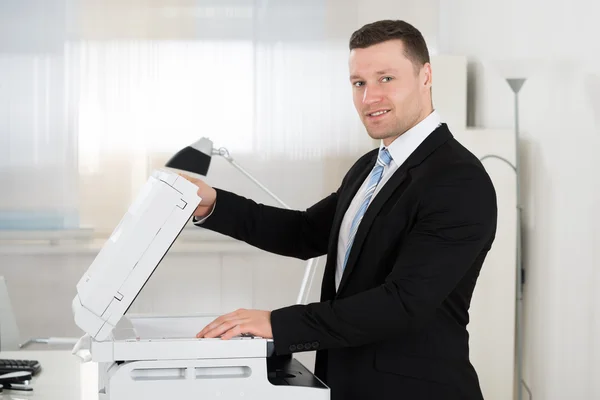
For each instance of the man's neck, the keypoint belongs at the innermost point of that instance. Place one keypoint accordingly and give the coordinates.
(422, 117)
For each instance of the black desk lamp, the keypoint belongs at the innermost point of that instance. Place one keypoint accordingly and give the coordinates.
(196, 158)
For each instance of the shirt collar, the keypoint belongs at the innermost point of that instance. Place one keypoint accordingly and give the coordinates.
(403, 146)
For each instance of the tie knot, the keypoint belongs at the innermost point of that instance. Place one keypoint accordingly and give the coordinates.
(384, 157)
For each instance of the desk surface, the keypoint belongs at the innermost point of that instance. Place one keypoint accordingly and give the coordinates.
(63, 377)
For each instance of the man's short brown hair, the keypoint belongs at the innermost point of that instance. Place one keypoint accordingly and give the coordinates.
(382, 31)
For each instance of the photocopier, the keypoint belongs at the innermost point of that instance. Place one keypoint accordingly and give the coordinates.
(159, 357)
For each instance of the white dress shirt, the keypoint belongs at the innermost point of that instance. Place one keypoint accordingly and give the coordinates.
(400, 149)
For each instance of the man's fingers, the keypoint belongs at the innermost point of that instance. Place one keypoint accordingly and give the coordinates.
(184, 176)
(219, 330)
(220, 320)
(217, 322)
(211, 326)
(224, 327)
(235, 331)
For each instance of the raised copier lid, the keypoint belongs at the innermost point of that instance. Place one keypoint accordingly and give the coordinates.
(131, 254)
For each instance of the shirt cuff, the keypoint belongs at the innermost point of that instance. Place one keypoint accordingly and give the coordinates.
(199, 222)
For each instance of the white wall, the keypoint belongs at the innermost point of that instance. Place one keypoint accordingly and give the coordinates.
(555, 44)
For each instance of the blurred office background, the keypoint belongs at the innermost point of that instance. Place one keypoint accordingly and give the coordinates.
(94, 95)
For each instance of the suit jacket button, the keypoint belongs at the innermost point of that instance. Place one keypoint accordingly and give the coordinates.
(292, 347)
(315, 345)
(307, 346)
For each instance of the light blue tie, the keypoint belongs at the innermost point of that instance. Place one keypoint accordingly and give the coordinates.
(383, 159)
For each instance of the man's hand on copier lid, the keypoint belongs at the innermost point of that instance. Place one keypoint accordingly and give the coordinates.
(207, 193)
(254, 322)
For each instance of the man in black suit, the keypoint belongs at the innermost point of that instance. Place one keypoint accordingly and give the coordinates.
(405, 235)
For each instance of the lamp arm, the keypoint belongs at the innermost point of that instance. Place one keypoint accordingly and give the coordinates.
(309, 270)
(309, 273)
(501, 159)
(223, 152)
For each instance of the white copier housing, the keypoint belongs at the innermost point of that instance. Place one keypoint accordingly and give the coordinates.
(155, 358)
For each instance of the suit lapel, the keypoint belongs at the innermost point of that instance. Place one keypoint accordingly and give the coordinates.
(349, 194)
(365, 224)
(328, 286)
(433, 141)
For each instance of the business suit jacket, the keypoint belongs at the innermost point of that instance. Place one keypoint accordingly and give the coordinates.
(396, 327)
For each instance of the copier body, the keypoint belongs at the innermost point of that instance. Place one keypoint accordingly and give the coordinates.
(159, 357)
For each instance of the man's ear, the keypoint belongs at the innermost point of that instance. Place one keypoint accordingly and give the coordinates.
(426, 75)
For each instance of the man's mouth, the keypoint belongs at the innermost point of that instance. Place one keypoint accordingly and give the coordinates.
(378, 113)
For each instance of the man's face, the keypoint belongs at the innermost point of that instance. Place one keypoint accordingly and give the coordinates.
(390, 95)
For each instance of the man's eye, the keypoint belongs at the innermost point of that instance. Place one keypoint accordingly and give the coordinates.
(386, 78)
(358, 83)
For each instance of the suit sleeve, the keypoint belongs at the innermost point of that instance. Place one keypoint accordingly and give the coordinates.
(299, 234)
(456, 221)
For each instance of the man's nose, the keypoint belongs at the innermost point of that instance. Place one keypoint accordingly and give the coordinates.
(372, 95)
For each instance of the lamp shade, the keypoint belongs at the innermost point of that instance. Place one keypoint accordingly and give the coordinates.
(194, 158)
